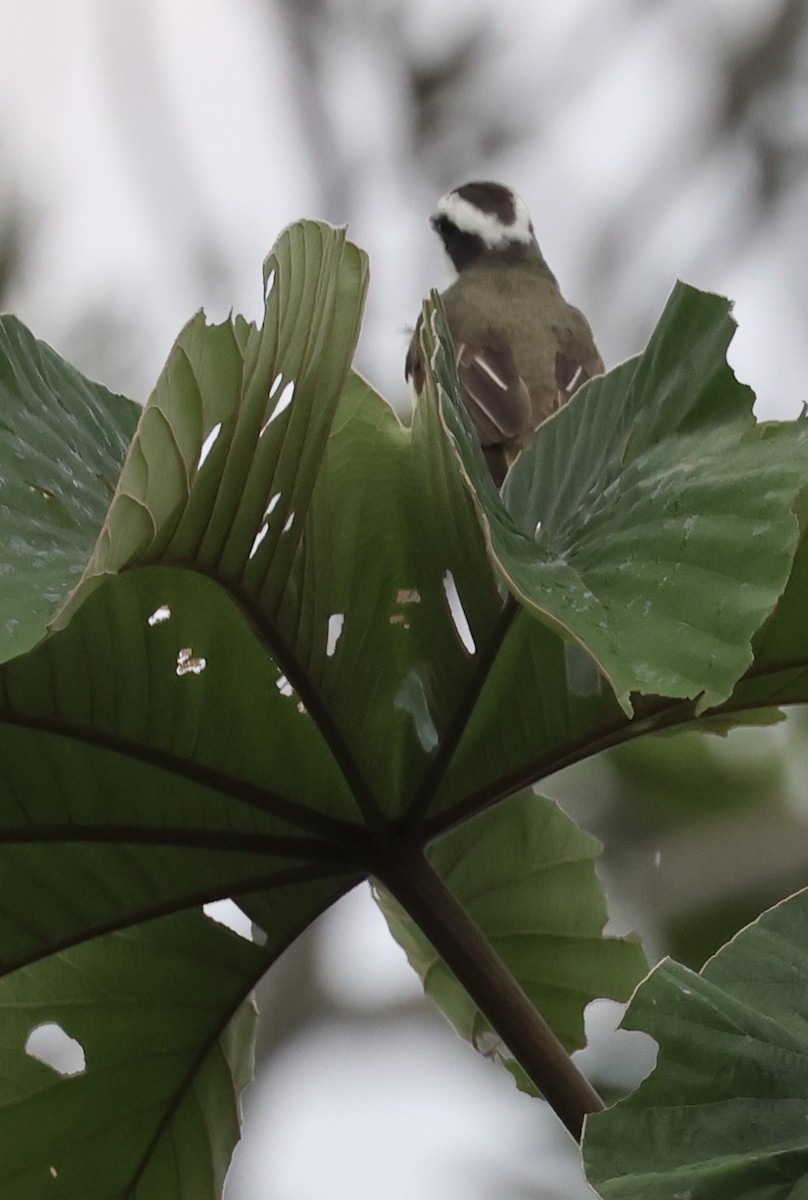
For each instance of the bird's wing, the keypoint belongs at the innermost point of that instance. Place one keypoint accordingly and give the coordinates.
(494, 392)
(577, 358)
(413, 365)
(492, 389)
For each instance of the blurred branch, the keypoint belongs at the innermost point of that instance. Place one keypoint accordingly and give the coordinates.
(309, 30)
(747, 128)
(12, 250)
(753, 74)
(451, 134)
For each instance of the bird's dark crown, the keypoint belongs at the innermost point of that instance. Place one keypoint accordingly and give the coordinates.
(484, 219)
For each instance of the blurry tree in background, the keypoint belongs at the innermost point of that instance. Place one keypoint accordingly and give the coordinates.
(653, 140)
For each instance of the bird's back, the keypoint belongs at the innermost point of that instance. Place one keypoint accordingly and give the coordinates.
(488, 304)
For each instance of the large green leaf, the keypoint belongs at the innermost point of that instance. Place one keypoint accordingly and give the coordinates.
(289, 653)
(723, 1113)
(153, 758)
(525, 874)
(649, 521)
(62, 442)
(129, 790)
(780, 671)
(160, 1017)
(237, 426)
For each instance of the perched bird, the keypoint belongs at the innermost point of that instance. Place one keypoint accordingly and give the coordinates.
(521, 350)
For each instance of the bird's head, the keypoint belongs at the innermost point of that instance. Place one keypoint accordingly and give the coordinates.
(484, 220)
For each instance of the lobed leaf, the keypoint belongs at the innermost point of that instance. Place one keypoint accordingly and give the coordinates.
(62, 442)
(291, 645)
(158, 1018)
(649, 522)
(723, 1113)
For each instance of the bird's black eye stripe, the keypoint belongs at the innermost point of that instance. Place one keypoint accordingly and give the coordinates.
(463, 248)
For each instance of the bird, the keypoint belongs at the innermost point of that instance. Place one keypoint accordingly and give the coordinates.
(520, 349)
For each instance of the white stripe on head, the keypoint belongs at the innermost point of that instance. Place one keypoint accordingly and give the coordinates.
(468, 218)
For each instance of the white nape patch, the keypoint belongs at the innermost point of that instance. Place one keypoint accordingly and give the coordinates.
(163, 613)
(457, 613)
(335, 624)
(228, 913)
(258, 539)
(49, 1044)
(208, 444)
(470, 219)
(189, 663)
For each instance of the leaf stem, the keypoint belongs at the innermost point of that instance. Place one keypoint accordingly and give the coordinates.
(425, 897)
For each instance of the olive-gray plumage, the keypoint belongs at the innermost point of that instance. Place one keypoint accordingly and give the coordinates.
(521, 349)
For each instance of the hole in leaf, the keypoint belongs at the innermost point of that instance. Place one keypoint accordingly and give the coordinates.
(208, 444)
(228, 913)
(276, 383)
(258, 539)
(53, 1172)
(491, 1046)
(189, 663)
(290, 520)
(284, 686)
(404, 596)
(335, 624)
(49, 1044)
(457, 613)
(623, 1057)
(160, 614)
(273, 504)
(284, 400)
(270, 283)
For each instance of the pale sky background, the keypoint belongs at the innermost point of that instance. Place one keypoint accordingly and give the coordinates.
(153, 150)
(156, 148)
